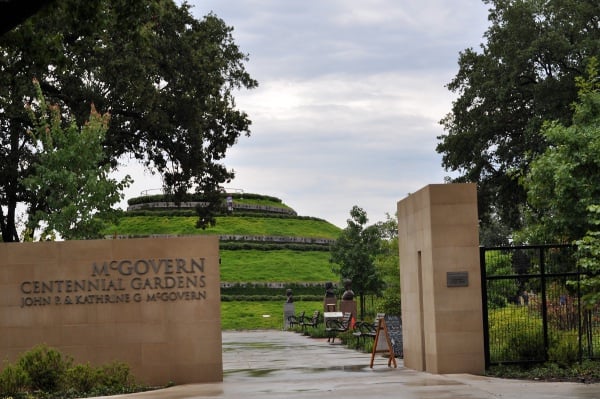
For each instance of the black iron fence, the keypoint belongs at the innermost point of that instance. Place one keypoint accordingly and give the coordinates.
(532, 306)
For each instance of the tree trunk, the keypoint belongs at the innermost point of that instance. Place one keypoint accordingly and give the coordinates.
(7, 223)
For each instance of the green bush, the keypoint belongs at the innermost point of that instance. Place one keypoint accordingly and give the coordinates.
(525, 343)
(44, 372)
(82, 378)
(515, 334)
(503, 291)
(116, 376)
(347, 338)
(314, 332)
(13, 380)
(46, 368)
(103, 380)
(390, 303)
(565, 350)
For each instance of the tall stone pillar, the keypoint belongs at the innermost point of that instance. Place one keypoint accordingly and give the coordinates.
(440, 280)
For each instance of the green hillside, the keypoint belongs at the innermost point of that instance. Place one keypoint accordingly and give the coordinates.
(226, 225)
(262, 239)
(286, 266)
(265, 248)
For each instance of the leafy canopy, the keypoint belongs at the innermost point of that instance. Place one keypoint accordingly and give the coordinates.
(68, 175)
(523, 75)
(588, 252)
(387, 262)
(563, 181)
(354, 253)
(562, 186)
(166, 78)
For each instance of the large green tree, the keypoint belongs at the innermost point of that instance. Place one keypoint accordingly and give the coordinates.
(354, 253)
(563, 182)
(523, 75)
(166, 79)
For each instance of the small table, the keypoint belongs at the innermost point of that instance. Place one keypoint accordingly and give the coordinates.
(332, 315)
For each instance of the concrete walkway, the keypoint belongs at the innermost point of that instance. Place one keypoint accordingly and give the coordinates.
(287, 365)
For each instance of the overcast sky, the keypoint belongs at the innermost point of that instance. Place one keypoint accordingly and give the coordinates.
(349, 99)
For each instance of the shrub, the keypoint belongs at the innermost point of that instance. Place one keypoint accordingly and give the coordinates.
(389, 304)
(45, 367)
(516, 334)
(588, 370)
(316, 332)
(565, 350)
(525, 343)
(500, 292)
(52, 375)
(13, 380)
(103, 380)
(116, 376)
(347, 338)
(82, 378)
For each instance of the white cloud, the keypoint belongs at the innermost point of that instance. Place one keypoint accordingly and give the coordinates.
(349, 100)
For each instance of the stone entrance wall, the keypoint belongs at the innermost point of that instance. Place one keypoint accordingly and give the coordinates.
(153, 303)
(440, 280)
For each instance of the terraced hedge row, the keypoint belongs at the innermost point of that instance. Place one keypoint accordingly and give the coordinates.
(146, 199)
(269, 298)
(298, 289)
(191, 212)
(239, 246)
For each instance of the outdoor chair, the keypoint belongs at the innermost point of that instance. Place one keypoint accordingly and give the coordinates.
(313, 321)
(296, 320)
(335, 326)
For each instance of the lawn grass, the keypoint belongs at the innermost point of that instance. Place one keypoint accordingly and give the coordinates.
(186, 225)
(281, 266)
(260, 315)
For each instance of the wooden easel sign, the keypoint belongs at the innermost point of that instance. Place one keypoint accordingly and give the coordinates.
(383, 343)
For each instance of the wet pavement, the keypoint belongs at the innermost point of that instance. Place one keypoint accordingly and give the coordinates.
(279, 364)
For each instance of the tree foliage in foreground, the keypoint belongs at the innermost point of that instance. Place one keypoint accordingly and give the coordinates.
(562, 186)
(72, 187)
(563, 181)
(387, 262)
(588, 251)
(166, 79)
(354, 253)
(523, 75)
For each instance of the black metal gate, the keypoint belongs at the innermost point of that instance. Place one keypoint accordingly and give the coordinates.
(532, 308)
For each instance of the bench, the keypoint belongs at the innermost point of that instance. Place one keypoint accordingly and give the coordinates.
(335, 326)
(295, 320)
(363, 330)
(313, 321)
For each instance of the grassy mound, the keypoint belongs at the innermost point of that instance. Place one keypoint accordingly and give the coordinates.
(263, 241)
(226, 225)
